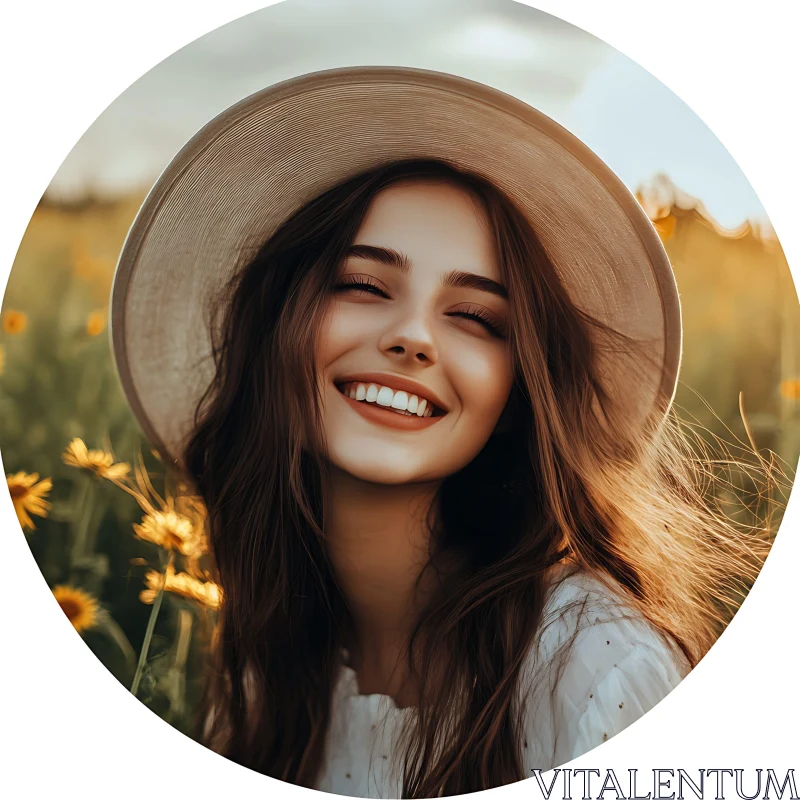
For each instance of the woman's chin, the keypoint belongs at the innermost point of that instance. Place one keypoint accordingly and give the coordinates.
(380, 471)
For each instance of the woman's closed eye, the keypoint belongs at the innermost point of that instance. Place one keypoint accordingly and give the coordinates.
(360, 285)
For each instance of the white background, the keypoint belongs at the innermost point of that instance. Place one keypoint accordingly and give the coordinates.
(628, 117)
(66, 724)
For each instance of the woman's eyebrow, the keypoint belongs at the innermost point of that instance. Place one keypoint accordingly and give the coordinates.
(454, 278)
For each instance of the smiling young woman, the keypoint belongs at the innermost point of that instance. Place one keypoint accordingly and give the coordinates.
(450, 550)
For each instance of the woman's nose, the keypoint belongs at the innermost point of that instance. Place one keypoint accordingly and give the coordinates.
(410, 340)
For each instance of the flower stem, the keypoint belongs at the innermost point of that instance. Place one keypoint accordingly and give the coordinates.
(112, 629)
(148, 634)
(178, 668)
(84, 506)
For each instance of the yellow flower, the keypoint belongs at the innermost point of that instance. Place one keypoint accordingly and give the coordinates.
(28, 496)
(207, 593)
(100, 462)
(95, 323)
(790, 389)
(172, 531)
(81, 608)
(14, 321)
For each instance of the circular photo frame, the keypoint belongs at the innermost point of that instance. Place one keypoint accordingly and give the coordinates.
(437, 391)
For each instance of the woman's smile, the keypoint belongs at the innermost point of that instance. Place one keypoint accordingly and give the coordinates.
(396, 408)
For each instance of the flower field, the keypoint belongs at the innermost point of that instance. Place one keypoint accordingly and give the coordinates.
(122, 545)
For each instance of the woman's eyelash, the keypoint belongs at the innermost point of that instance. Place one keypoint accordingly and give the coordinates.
(482, 317)
(479, 315)
(361, 285)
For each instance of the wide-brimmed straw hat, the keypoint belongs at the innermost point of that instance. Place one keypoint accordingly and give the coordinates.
(259, 161)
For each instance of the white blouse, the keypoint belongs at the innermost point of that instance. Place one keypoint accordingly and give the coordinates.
(617, 668)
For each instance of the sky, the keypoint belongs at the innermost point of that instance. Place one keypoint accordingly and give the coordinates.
(634, 123)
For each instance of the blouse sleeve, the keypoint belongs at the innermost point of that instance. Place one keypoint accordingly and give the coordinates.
(606, 676)
(627, 691)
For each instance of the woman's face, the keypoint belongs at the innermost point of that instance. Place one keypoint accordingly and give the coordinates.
(425, 252)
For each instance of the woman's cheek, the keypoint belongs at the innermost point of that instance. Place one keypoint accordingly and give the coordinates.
(484, 383)
(336, 335)
(350, 326)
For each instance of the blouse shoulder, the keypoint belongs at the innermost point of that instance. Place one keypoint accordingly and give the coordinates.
(597, 665)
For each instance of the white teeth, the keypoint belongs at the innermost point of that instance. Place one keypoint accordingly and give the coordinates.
(384, 396)
(399, 401)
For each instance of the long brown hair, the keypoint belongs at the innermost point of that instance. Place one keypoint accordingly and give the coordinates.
(569, 480)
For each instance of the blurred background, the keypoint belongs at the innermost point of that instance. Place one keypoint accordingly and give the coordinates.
(57, 379)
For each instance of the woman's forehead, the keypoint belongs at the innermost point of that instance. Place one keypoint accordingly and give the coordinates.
(435, 225)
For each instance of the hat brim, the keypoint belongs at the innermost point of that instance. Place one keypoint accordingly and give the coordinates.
(259, 161)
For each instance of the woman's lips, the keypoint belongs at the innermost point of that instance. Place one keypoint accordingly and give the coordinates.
(375, 413)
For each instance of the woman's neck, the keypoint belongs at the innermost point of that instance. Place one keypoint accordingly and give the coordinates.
(377, 540)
